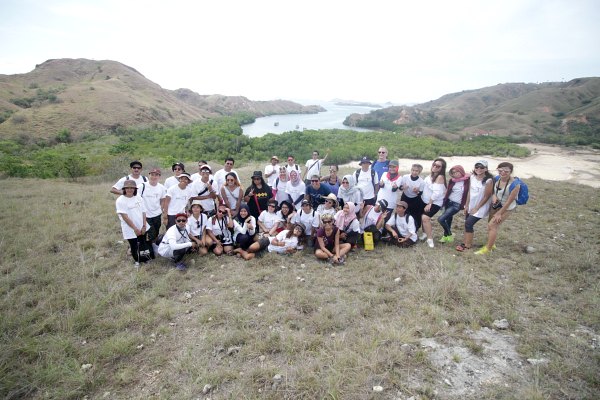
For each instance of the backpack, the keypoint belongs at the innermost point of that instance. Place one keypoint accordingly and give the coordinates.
(144, 179)
(523, 195)
(357, 174)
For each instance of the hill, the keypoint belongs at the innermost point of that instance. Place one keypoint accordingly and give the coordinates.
(84, 96)
(523, 110)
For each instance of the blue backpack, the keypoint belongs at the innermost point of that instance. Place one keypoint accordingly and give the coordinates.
(523, 195)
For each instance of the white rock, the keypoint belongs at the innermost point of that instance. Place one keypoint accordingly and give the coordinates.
(537, 361)
(397, 279)
(378, 389)
(207, 388)
(188, 295)
(302, 266)
(501, 324)
(283, 267)
(86, 367)
(260, 305)
(172, 324)
(277, 378)
(447, 382)
(332, 335)
(140, 347)
(262, 358)
(530, 250)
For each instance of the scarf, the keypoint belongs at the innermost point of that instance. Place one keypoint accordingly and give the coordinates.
(342, 220)
(463, 175)
(294, 178)
(238, 217)
(348, 193)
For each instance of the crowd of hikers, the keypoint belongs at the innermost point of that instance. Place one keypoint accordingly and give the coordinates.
(289, 208)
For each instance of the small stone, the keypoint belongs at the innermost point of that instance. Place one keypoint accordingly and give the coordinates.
(188, 311)
(277, 378)
(302, 266)
(397, 279)
(120, 242)
(406, 348)
(212, 276)
(233, 349)
(84, 342)
(140, 347)
(537, 361)
(447, 382)
(262, 358)
(283, 267)
(86, 367)
(260, 305)
(530, 249)
(100, 258)
(172, 324)
(333, 335)
(188, 295)
(106, 394)
(378, 389)
(206, 389)
(302, 279)
(501, 324)
(209, 319)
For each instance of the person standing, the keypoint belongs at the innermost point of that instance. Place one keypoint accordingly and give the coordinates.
(196, 176)
(177, 169)
(367, 181)
(454, 200)
(292, 166)
(380, 166)
(412, 186)
(135, 175)
(389, 185)
(205, 190)
(177, 198)
(272, 171)
(154, 199)
(231, 194)
(132, 214)
(332, 180)
(295, 189)
(258, 194)
(279, 186)
(432, 198)
(313, 167)
(219, 177)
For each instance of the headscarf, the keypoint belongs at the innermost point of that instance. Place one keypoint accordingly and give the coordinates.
(238, 217)
(463, 176)
(352, 189)
(294, 178)
(342, 219)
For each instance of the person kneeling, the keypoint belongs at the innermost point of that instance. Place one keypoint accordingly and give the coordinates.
(401, 227)
(176, 242)
(286, 242)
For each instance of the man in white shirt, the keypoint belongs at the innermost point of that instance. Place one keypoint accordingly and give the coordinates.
(135, 175)
(205, 190)
(272, 171)
(292, 166)
(219, 177)
(196, 175)
(367, 181)
(177, 199)
(313, 167)
(154, 198)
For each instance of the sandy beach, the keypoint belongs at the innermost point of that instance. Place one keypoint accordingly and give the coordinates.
(546, 162)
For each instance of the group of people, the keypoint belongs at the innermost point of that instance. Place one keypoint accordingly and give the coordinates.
(288, 208)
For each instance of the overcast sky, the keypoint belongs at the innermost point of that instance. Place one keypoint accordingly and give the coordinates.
(377, 50)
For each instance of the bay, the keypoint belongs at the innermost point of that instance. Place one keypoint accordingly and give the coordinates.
(333, 118)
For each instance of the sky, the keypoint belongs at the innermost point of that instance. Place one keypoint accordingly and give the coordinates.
(376, 51)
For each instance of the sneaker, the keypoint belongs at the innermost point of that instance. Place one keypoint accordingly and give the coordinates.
(423, 236)
(136, 265)
(447, 239)
(430, 243)
(482, 251)
(180, 266)
(342, 260)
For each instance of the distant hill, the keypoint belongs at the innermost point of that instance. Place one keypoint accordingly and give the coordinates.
(512, 109)
(85, 96)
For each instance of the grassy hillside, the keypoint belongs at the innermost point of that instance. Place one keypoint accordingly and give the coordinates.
(78, 321)
(566, 113)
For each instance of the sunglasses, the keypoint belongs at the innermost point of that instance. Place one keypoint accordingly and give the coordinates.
(381, 152)
(136, 167)
(327, 221)
(479, 166)
(314, 180)
(220, 211)
(503, 170)
(181, 220)
(271, 205)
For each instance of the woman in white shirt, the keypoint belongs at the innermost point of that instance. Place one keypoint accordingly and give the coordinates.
(286, 242)
(244, 228)
(132, 214)
(454, 200)
(432, 198)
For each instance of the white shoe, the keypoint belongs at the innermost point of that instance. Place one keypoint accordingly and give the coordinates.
(423, 236)
(136, 265)
(430, 243)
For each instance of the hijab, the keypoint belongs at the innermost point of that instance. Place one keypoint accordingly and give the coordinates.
(294, 178)
(239, 218)
(463, 176)
(342, 219)
(352, 189)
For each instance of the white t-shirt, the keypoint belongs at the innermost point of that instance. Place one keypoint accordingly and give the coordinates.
(134, 208)
(309, 221)
(405, 228)
(435, 191)
(199, 188)
(476, 193)
(371, 218)
(243, 228)
(152, 197)
(174, 240)
(219, 227)
(290, 168)
(387, 191)
(179, 199)
(268, 219)
(272, 168)
(196, 226)
(457, 191)
(315, 170)
(290, 243)
(171, 181)
(326, 211)
(139, 181)
(365, 184)
(281, 194)
(296, 192)
(410, 188)
(196, 177)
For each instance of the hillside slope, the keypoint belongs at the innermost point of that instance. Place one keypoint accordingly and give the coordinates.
(518, 109)
(85, 96)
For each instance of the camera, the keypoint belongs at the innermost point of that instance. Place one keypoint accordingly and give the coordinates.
(496, 205)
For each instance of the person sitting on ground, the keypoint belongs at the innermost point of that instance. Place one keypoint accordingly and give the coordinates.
(132, 214)
(177, 169)
(154, 199)
(401, 227)
(412, 186)
(373, 219)
(504, 201)
(258, 194)
(244, 228)
(231, 193)
(279, 186)
(177, 198)
(285, 214)
(367, 181)
(329, 207)
(481, 184)
(176, 242)
(327, 245)
(347, 223)
(219, 238)
(196, 226)
(205, 190)
(286, 242)
(134, 175)
(454, 200)
(295, 189)
(309, 219)
(433, 197)
(268, 220)
(349, 192)
(332, 179)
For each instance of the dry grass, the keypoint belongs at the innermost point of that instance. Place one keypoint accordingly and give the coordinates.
(70, 296)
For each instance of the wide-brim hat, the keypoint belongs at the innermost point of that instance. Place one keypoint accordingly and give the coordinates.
(184, 175)
(331, 197)
(197, 203)
(257, 174)
(129, 183)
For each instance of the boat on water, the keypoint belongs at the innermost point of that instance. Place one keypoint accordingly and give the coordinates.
(297, 126)
(276, 124)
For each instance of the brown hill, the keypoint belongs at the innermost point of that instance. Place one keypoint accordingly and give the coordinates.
(518, 109)
(85, 96)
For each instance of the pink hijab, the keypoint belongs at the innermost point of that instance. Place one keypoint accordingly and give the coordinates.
(342, 219)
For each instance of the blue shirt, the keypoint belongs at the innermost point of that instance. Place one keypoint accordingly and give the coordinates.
(380, 167)
(317, 194)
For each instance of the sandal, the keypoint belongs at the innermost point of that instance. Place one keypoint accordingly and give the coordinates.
(461, 247)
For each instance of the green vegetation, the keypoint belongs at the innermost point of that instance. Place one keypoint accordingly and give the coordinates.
(77, 321)
(222, 137)
(41, 96)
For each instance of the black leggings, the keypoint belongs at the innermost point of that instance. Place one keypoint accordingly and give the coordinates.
(138, 247)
